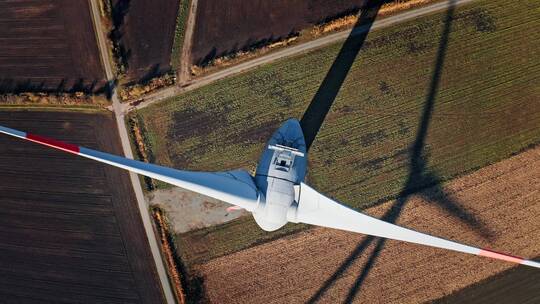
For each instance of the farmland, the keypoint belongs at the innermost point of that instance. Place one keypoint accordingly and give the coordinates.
(236, 24)
(328, 266)
(486, 109)
(48, 45)
(145, 30)
(70, 230)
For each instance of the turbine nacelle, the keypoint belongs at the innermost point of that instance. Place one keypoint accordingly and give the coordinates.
(282, 166)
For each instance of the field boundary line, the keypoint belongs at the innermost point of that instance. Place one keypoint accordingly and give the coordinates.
(126, 147)
(288, 52)
(53, 108)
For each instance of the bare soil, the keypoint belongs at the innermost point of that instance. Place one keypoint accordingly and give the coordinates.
(187, 210)
(146, 34)
(332, 266)
(227, 26)
(70, 229)
(48, 45)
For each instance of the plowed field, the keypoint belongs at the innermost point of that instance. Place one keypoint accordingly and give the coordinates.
(70, 229)
(146, 33)
(236, 24)
(48, 45)
(331, 266)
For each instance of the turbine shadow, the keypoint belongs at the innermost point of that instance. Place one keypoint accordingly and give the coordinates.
(419, 178)
(325, 96)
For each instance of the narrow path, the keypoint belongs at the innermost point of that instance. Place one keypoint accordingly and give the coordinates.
(122, 130)
(185, 59)
(289, 51)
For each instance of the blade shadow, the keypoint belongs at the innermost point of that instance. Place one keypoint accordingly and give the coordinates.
(437, 194)
(419, 178)
(325, 96)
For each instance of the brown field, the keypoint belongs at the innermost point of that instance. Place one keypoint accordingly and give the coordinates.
(146, 30)
(48, 45)
(70, 230)
(333, 267)
(236, 24)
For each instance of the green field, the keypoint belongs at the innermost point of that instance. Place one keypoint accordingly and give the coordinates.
(486, 109)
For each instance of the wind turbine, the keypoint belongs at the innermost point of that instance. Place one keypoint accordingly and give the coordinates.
(276, 194)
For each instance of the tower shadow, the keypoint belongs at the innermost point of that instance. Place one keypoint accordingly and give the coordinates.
(325, 96)
(420, 177)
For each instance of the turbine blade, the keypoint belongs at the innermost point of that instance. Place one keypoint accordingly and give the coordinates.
(316, 209)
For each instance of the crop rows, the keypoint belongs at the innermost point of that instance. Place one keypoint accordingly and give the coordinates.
(48, 45)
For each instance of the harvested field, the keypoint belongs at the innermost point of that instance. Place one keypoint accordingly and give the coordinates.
(486, 108)
(146, 33)
(70, 229)
(48, 45)
(236, 24)
(330, 265)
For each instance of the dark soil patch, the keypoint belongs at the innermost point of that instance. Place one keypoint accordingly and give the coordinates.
(378, 162)
(193, 123)
(481, 19)
(370, 138)
(262, 133)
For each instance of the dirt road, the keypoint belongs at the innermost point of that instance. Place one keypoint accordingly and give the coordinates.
(126, 148)
(185, 58)
(287, 52)
(329, 266)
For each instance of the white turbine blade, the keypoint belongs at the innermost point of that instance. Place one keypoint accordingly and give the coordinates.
(233, 187)
(316, 209)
